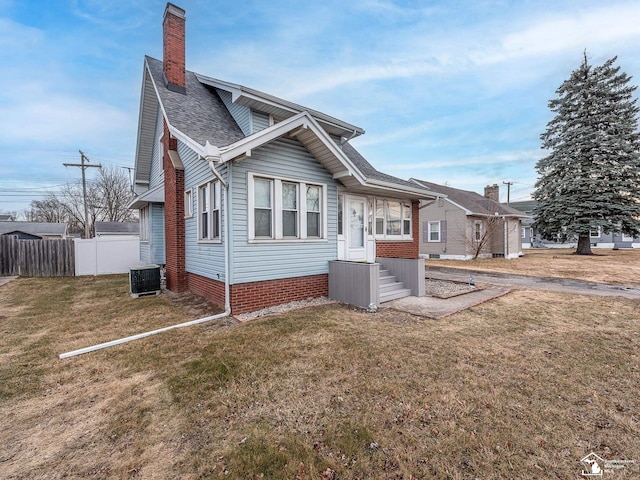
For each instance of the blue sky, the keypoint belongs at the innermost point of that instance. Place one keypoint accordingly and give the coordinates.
(451, 92)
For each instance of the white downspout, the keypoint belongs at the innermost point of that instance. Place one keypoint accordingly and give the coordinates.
(227, 300)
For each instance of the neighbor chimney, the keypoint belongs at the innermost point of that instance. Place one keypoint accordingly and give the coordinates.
(173, 48)
(492, 192)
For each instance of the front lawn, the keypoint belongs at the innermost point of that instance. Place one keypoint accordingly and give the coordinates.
(523, 386)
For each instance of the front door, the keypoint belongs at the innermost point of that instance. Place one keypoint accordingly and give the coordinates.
(356, 231)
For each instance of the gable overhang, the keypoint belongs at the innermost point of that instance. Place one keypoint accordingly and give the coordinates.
(279, 108)
(149, 101)
(155, 195)
(307, 131)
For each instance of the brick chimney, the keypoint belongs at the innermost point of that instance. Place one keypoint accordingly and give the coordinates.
(173, 48)
(492, 192)
(173, 27)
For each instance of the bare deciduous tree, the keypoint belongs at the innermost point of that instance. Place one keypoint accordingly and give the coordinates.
(107, 199)
(483, 233)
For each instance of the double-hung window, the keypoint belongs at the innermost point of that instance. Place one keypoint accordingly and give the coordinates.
(188, 203)
(477, 231)
(209, 211)
(434, 231)
(282, 209)
(392, 219)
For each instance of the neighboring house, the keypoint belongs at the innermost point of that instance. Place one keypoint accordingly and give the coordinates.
(251, 200)
(6, 217)
(34, 230)
(119, 229)
(461, 225)
(599, 239)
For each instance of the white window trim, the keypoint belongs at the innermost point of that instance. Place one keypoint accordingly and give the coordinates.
(384, 235)
(434, 222)
(212, 191)
(475, 233)
(598, 235)
(145, 213)
(276, 210)
(188, 203)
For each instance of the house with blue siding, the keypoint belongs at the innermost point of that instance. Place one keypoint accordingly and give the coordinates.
(251, 200)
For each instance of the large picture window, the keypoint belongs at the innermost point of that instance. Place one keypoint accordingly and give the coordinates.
(209, 211)
(282, 209)
(392, 219)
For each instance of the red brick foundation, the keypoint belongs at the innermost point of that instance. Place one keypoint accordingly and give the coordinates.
(212, 290)
(248, 297)
(405, 249)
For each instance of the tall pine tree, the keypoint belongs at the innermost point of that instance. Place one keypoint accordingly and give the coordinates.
(591, 178)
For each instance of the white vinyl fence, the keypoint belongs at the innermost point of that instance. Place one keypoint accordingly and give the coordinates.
(106, 255)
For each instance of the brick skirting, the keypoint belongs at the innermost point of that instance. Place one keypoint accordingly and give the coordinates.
(248, 297)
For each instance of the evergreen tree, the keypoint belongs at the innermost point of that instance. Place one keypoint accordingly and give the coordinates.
(591, 177)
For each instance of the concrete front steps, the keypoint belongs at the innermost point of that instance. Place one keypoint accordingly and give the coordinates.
(390, 288)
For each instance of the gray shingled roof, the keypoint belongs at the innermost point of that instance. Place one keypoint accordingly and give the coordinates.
(472, 201)
(34, 228)
(200, 114)
(126, 228)
(525, 206)
(368, 170)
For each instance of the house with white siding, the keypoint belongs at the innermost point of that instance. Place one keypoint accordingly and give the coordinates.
(251, 200)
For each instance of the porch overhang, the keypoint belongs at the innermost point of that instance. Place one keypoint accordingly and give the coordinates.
(155, 195)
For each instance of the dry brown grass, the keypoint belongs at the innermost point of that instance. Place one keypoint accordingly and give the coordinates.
(520, 387)
(605, 266)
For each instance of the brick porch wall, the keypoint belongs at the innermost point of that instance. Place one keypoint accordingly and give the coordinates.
(406, 249)
(248, 297)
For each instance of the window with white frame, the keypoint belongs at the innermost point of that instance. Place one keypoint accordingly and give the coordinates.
(392, 219)
(524, 232)
(594, 232)
(282, 209)
(188, 203)
(144, 224)
(434, 231)
(477, 231)
(209, 211)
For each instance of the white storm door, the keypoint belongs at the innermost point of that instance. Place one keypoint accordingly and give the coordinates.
(356, 229)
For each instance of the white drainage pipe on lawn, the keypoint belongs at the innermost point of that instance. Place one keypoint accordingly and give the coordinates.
(227, 303)
(141, 335)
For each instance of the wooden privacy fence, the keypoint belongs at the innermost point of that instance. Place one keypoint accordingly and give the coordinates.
(36, 258)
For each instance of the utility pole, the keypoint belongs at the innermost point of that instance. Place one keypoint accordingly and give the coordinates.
(508, 184)
(83, 165)
(130, 181)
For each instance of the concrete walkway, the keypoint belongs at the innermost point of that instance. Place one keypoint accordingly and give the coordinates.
(4, 280)
(538, 283)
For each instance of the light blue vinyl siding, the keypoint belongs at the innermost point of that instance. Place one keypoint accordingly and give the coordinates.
(267, 261)
(240, 113)
(156, 235)
(260, 121)
(145, 252)
(157, 174)
(205, 259)
(153, 250)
